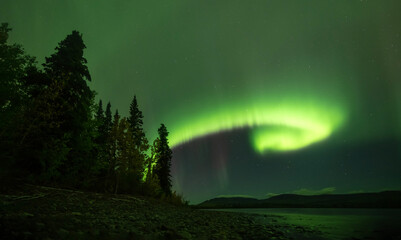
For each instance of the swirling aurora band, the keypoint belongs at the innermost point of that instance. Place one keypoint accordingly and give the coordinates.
(276, 126)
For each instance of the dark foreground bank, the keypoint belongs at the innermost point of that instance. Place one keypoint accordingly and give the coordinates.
(36, 212)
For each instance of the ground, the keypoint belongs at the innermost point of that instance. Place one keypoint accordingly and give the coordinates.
(38, 212)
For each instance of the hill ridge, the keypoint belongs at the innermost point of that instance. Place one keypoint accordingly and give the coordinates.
(384, 199)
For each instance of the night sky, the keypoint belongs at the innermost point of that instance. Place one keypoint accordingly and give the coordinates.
(259, 97)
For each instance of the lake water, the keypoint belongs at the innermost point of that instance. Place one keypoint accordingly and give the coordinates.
(336, 223)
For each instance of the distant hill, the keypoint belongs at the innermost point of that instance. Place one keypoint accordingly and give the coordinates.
(387, 199)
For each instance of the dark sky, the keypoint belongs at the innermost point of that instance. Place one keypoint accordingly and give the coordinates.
(260, 97)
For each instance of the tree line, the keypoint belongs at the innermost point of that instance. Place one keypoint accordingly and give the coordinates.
(52, 131)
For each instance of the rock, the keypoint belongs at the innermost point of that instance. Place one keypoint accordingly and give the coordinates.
(63, 233)
(164, 228)
(76, 220)
(94, 232)
(27, 214)
(40, 226)
(185, 235)
(134, 235)
(172, 235)
(28, 234)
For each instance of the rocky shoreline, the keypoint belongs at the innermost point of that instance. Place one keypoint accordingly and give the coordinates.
(37, 212)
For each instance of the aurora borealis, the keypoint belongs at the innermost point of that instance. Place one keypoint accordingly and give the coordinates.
(259, 97)
(288, 127)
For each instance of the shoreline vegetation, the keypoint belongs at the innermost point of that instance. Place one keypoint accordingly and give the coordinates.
(53, 133)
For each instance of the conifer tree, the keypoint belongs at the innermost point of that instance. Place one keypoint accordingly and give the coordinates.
(101, 140)
(102, 128)
(108, 118)
(136, 123)
(151, 161)
(152, 183)
(100, 113)
(113, 166)
(39, 143)
(116, 117)
(163, 156)
(139, 142)
(131, 170)
(14, 65)
(67, 67)
(42, 144)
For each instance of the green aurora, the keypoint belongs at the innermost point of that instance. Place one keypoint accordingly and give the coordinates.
(278, 124)
(297, 108)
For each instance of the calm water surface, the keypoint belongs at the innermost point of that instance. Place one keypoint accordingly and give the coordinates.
(339, 223)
